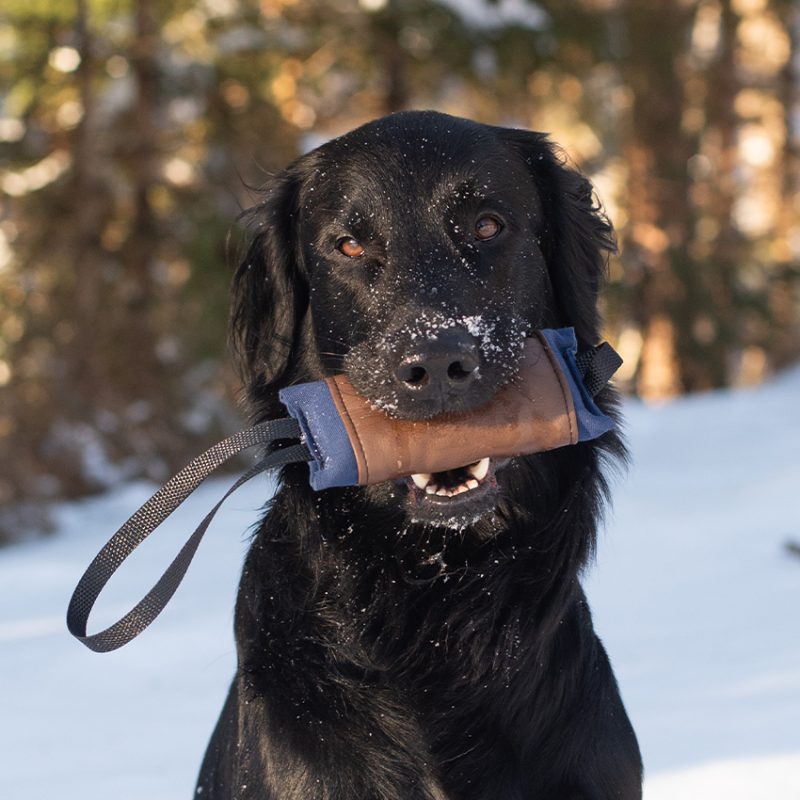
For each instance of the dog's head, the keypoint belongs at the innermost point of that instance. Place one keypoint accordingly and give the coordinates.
(415, 254)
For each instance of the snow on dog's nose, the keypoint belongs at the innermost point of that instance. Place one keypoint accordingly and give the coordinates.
(441, 366)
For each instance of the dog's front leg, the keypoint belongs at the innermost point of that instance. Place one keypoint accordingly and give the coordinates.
(309, 716)
(329, 742)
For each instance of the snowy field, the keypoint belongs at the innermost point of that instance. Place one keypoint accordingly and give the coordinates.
(693, 594)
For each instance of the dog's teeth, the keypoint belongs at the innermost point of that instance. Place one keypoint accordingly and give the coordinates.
(422, 479)
(480, 469)
(425, 481)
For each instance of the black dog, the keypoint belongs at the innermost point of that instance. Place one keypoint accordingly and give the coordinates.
(392, 643)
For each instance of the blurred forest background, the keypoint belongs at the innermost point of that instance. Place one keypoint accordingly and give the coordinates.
(131, 129)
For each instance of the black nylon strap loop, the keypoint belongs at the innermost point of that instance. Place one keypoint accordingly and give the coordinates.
(597, 365)
(151, 515)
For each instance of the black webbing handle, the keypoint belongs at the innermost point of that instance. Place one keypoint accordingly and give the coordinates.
(151, 515)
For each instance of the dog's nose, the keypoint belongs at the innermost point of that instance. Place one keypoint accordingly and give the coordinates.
(446, 364)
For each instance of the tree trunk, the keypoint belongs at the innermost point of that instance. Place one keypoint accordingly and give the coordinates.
(656, 257)
(784, 339)
(716, 336)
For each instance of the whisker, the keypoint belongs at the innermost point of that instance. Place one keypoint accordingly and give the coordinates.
(332, 340)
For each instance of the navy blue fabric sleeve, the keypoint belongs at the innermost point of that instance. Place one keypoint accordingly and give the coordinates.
(334, 462)
(592, 422)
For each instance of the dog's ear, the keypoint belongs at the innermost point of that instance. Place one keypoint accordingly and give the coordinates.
(270, 288)
(576, 234)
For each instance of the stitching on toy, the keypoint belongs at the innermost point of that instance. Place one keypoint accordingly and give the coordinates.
(561, 382)
(346, 410)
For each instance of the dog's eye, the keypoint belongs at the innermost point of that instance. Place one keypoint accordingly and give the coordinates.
(350, 247)
(487, 228)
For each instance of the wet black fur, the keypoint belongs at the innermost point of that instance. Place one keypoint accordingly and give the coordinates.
(379, 659)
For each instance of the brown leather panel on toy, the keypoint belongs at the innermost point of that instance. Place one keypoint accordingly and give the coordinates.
(531, 414)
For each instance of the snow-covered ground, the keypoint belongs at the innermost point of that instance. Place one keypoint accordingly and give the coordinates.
(693, 594)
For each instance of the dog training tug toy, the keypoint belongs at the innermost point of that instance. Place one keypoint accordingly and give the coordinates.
(549, 404)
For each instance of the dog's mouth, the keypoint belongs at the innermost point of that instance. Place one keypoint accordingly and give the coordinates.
(452, 482)
(455, 497)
